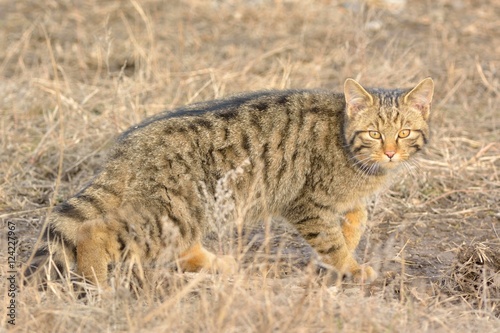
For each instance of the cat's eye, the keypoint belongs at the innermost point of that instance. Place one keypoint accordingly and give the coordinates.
(404, 133)
(374, 134)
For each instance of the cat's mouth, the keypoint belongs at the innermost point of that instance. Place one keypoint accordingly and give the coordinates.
(385, 162)
(377, 163)
(390, 161)
(391, 164)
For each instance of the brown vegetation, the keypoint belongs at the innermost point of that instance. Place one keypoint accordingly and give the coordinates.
(75, 74)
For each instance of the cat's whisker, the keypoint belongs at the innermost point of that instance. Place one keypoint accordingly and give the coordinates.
(362, 162)
(411, 166)
(365, 166)
(374, 168)
(415, 164)
(408, 168)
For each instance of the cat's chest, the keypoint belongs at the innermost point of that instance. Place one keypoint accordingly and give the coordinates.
(356, 189)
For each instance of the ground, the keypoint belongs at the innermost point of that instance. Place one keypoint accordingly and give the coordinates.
(75, 74)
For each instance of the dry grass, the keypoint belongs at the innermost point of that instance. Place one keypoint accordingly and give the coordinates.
(475, 275)
(75, 74)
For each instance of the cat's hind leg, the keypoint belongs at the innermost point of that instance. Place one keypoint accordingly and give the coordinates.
(97, 246)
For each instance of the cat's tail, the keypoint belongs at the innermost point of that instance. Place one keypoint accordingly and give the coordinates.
(50, 262)
(54, 256)
(36, 270)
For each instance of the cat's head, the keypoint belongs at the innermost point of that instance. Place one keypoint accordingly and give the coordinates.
(385, 128)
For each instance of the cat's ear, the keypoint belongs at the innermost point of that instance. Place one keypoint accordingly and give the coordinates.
(420, 97)
(356, 97)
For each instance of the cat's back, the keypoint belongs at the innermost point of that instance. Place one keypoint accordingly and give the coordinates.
(269, 105)
(244, 122)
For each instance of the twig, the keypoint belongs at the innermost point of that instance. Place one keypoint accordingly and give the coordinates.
(483, 78)
(480, 153)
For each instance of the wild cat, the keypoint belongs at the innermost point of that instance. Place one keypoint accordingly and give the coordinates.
(313, 157)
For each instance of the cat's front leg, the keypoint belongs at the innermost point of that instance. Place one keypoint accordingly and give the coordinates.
(354, 225)
(321, 228)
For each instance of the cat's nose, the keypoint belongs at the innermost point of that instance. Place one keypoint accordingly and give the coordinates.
(390, 153)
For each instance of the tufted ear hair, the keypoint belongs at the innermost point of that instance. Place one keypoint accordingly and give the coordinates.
(420, 97)
(356, 97)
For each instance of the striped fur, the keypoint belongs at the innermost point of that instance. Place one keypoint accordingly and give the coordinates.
(305, 155)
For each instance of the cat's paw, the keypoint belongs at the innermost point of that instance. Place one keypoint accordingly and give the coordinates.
(327, 274)
(225, 264)
(364, 274)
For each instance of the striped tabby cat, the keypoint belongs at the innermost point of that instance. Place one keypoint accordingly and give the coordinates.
(310, 156)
